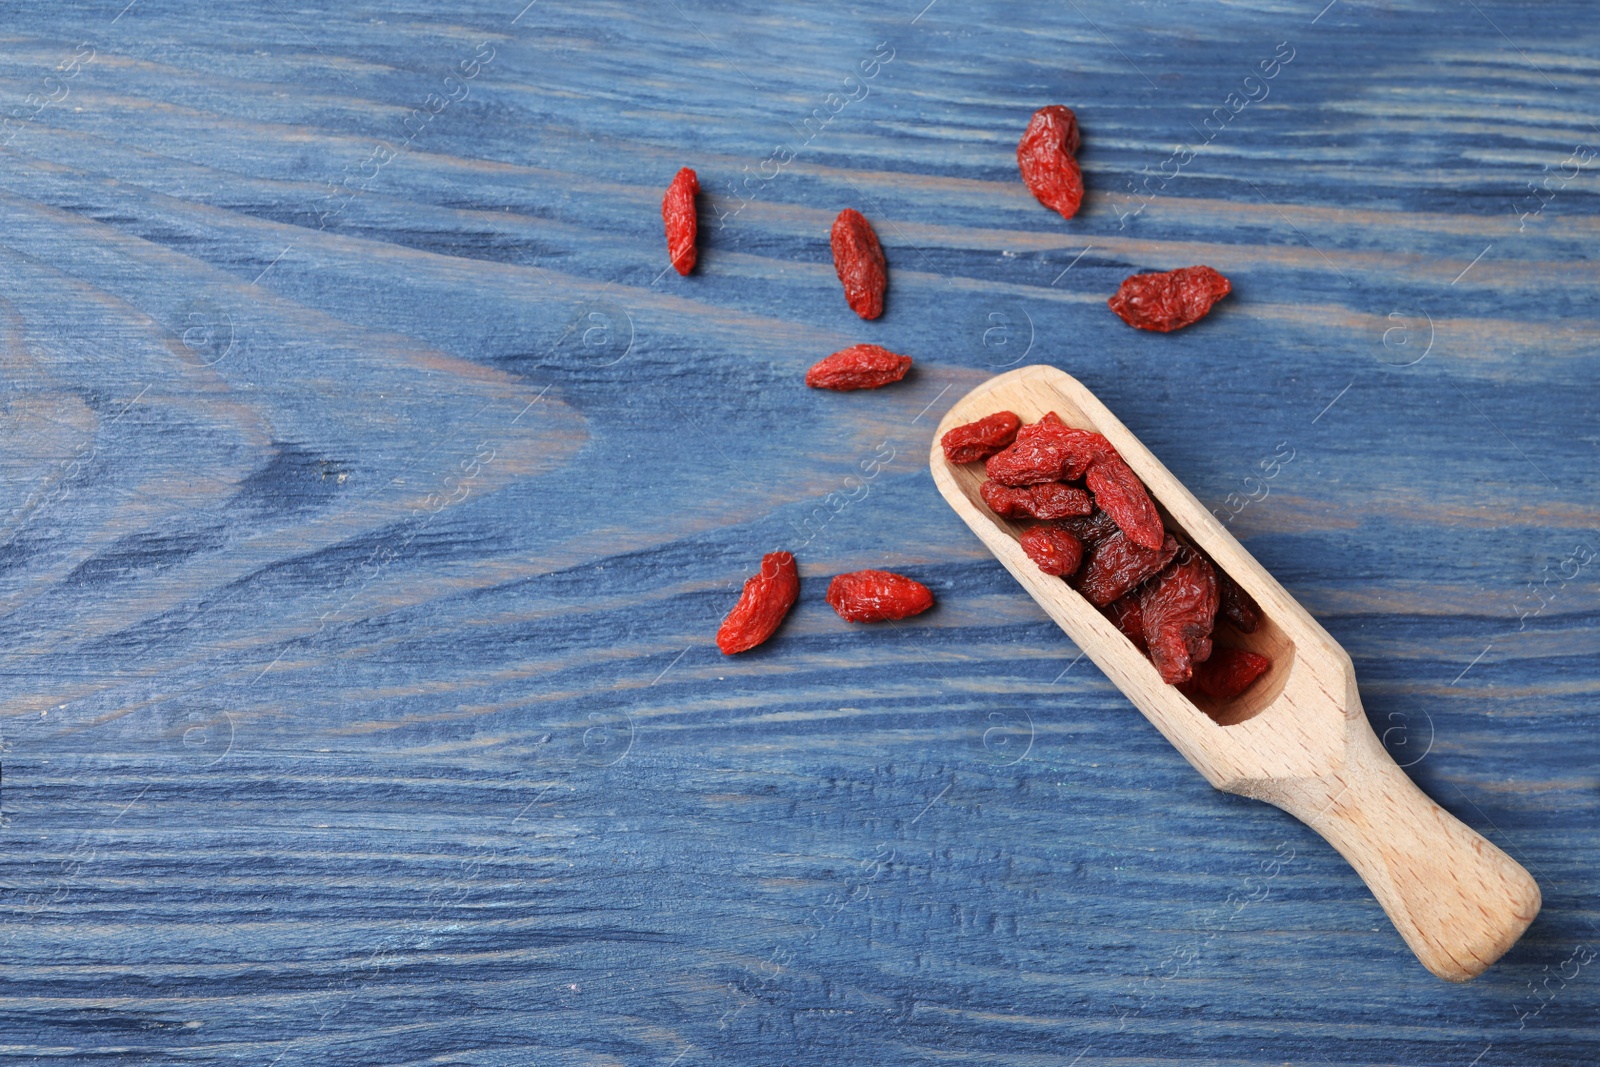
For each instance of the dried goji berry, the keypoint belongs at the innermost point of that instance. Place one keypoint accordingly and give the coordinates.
(1051, 423)
(1046, 451)
(1116, 565)
(1119, 493)
(1053, 549)
(1048, 500)
(1170, 300)
(1226, 674)
(1180, 609)
(1128, 617)
(768, 595)
(858, 259)
(981, 439)
(683, 224)
(1238, 607)
(873, 596)
(1046, 155)
(858, 367)
(1091, 529)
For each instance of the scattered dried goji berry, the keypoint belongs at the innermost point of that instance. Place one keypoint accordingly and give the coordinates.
(768, 595)
(683, 223)
(1170, 300)
(1180, 609)
(981, 439)
(1048, 500)
(873, 596)
(858, 367)
(858, 259)
(1128, 617)
(1046, 155)
(1119, 493)
(1238, 607)
(1226, 674)
(1046, 451)
(1053, 549)
(1116, 565)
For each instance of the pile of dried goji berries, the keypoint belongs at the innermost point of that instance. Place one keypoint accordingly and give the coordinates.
(1104, 536)
(1108, 541)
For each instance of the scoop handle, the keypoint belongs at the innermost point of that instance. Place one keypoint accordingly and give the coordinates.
(1458, 901)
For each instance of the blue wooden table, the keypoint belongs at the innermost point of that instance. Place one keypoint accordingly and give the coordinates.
(371, 494)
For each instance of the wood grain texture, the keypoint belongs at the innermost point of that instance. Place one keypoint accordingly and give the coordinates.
(370, 492)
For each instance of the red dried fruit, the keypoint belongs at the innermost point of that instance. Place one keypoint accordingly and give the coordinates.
(768, 595)
(1116, 565)
(1128, 616)
(981, 439)
(1180, 609)
(1051, 423)
(858, 259)
(1163, 597)
(1091, 529)
(1119, 493)
(1238, 607)
(1053, 549)
(1226, 675)
(873, 596)
(1046, 155)
(683, 223)
(1050, 500)
(858, 367)
(1171, 300)
(1047, 451)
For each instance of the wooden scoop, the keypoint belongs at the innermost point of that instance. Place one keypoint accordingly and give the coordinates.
(1298, 738)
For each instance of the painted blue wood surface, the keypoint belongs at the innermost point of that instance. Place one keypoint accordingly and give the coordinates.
(371, 494)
